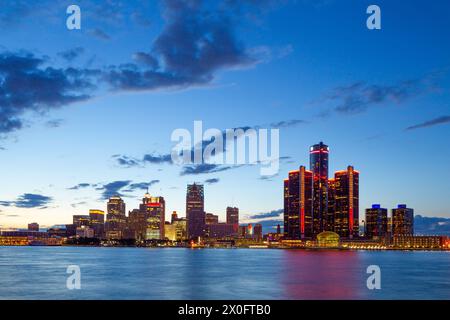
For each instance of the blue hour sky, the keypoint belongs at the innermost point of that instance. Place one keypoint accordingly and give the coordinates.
(88, 113)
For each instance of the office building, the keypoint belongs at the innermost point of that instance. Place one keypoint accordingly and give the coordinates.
(319, 167)
(298, 210)
(195, 211)
(376, 226)
(402, 221)
(115, 218)
(346, 203)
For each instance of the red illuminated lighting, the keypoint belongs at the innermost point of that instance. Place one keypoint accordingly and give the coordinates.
(319, 151)
(350, 220)
(302, 221)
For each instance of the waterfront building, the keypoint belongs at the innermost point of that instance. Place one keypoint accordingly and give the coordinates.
(115, 218)
(137, 224)
(211, 218)
(34, 226)
(174, 216)
(419, 242)
(298, 210)
(154, 209)
(220, 230)
(402, 221)
(97, 222)
(85, 232)
(376, 226)
(331, 204)
(328, 239)
(257, 232)
(170, 231)
(319, 167)
(180, 229)
(346, 203)
(233, 217)
(81, 220)
(195, 211)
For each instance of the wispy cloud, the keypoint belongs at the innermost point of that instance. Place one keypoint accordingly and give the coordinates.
(28, 200)
(430, 123)
(212, 181)
(265, 215)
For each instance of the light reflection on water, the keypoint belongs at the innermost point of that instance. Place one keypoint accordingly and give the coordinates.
(138, 273)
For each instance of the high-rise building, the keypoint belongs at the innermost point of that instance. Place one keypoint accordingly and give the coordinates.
(346, 206)
(34, 226)
(211, 218)
(331, 201)
(319, 167)
(402, 221)
(257, 232)
(137, 224)
(155, 210)
(233, 218)
(376, 222)
(195, 211)
(174, 216)
(81, 220)
(115, 218)
(298, 210)
(97, 222)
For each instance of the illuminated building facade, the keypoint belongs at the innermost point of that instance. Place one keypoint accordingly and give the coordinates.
(97, 222)
(211, 218)
(402, 221)
(33, 226)
(195, 211)
(319, 167)
(219, 230)
(81, 220)
(298, 210)
(137, 224)
(376, 222)
(154, 209)
(346, 203)
(115, 219)
(233, 217)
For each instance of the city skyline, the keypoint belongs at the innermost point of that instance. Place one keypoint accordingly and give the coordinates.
(321, 77)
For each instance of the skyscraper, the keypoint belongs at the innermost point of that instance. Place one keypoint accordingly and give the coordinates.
(195, 210)
(319, 167)
(331, 203)
(298, 204)
(155, 215)
(233, 218)
(115, 218)
(376, 222)
(402, 221)
(346, 217)
(97, 222)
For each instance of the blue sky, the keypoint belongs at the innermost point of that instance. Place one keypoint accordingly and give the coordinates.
(74, 102)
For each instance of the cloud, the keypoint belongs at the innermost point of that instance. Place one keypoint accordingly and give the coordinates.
(212, 180)
(71, 54)
(204, 168)
(54, 123)
(80, 186)
(360, 96)
(157, 159)
(28, 83)
(265, 215)
(194, 44)
(28, 200)
(126, 161)
(113, 188)
(430, 123)
(287, 123)
(99, 34)
(116, 188)
(141, 186)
